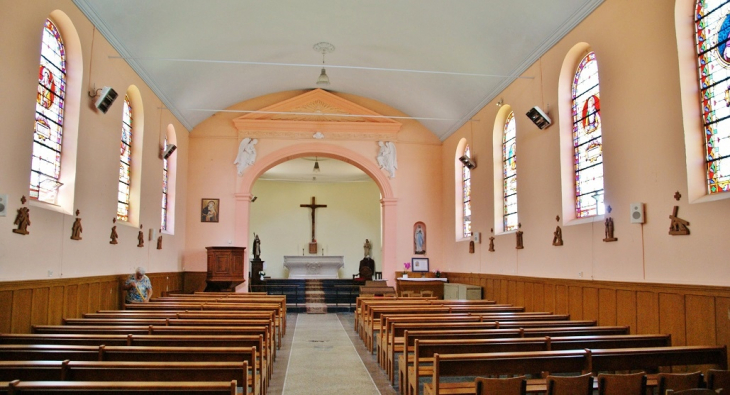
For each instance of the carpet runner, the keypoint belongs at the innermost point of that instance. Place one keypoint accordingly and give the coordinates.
(314, 297)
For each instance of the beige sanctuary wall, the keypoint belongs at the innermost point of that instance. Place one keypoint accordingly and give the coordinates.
(47, 252)
(351, 216)
(644, 161)
(214, 146)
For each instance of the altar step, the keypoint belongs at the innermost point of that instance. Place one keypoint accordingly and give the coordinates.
(314, 297)
(336, 295)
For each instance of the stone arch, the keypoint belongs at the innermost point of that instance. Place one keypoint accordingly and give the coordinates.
(388, 201)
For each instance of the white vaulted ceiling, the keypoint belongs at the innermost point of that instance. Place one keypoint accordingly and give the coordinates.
(437, 61)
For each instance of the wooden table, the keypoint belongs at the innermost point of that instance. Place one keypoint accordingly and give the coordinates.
(436, 285)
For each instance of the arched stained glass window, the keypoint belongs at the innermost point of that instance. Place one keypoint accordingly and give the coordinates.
(466, 188)
(50, 103)
(712, 24)
(509, 169)
(163, 216)
(587, 139)
(125, 162)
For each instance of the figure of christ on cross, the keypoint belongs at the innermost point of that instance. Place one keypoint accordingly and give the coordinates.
(314, 206)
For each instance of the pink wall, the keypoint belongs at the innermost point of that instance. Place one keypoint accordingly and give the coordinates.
(48, 248)
(409, 197)
(644, 161)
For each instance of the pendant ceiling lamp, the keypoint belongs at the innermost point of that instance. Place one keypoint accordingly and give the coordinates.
(316, 165)
(324, 48)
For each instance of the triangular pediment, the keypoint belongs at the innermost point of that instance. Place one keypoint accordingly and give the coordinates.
(318, 111)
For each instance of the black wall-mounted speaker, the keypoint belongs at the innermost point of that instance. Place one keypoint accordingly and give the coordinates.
(106, 98)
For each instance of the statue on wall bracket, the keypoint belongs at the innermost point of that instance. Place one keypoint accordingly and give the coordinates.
(22, 219)
(558, 234)
(76, 228)
(246, 154)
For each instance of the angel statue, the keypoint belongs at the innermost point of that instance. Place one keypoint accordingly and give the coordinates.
(246, 154)
(387, 158)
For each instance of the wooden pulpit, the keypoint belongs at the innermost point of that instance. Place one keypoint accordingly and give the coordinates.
(225, 268)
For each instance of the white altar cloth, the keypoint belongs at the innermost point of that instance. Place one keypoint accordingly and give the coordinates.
(314, 266)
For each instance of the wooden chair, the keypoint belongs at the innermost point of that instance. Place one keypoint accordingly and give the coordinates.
(622, 384)
(717, 379)
(695, 391)
(507, 386)
(570, 385)
(407, 294)
(427, 293)
(679, 381)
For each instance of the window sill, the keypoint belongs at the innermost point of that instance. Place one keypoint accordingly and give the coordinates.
(711, 198)
(586, 220)
(48, 206)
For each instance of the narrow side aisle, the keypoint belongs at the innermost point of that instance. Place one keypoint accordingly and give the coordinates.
(323, 360)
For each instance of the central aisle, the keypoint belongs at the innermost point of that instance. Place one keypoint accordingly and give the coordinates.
(323, 360)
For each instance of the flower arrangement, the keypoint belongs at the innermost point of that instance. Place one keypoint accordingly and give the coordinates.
(407, 265)
(262, 273)
(437, 273)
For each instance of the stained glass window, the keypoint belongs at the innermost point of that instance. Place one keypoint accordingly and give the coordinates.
(466, 188)
(587, 139)
(163, 216)
(712, 24)
(48, 130)
(509, 171)
(125, 162)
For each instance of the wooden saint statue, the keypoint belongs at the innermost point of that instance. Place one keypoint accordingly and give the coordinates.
(159, 240)
(471, 246)
(140, 237)
(367, 248)
(76, 228)
(22, 219)
(491, 241)
(678, 226)
(609, 230)
(558, 236)
(114, 234)
(520, 244)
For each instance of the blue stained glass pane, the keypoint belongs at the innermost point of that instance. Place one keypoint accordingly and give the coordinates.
(466, 195)
(125, 162)
(587, 139)
(712, 26)
(163, 213)
(509, 172)
(48, 128)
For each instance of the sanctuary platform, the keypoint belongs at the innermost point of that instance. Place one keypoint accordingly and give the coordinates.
(314, 266)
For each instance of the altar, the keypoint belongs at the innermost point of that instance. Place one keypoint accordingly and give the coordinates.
(314, 266)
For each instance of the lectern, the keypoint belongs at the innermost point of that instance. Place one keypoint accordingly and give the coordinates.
(225, 268)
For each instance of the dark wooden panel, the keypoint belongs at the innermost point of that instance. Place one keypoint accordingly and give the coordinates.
(647, 312)
(606, 306)
(590, 304)
(55, 305)
(700, 320)
(529, 296)
(6, 310)
(71, 310)
(94, 297)
(497, 284)
(512, 292)
(519, 298)
(561, 300)
(22, 305)
(538, 297)
(672, 317)
(626, 309)
(575, 302)
(40, 306)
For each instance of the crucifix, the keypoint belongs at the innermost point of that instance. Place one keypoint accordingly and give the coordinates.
(314, 206)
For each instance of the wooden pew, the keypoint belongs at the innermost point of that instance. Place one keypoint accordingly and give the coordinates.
(46, 352)
(125, 371)
(424, 350)
(409, 337)
(363, 301)
(119, 388)
(571, 361)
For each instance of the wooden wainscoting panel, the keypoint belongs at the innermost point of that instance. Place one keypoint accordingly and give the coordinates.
(590, 304)
(626, 309)
(519, 297)
(55, 305)
(40, 306)
(497, 293)
(71, 299)
(529, 302)
(94, 297)
(647, 313)
(561, 301)
(194, 281)
(700, 320)
(538, 297)
(606, 306)
(722, 321)
(672, 318)
(83, 300)
(550, 298)
(575, 302)
(504, 291)
(22, 305)
(6, 310)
